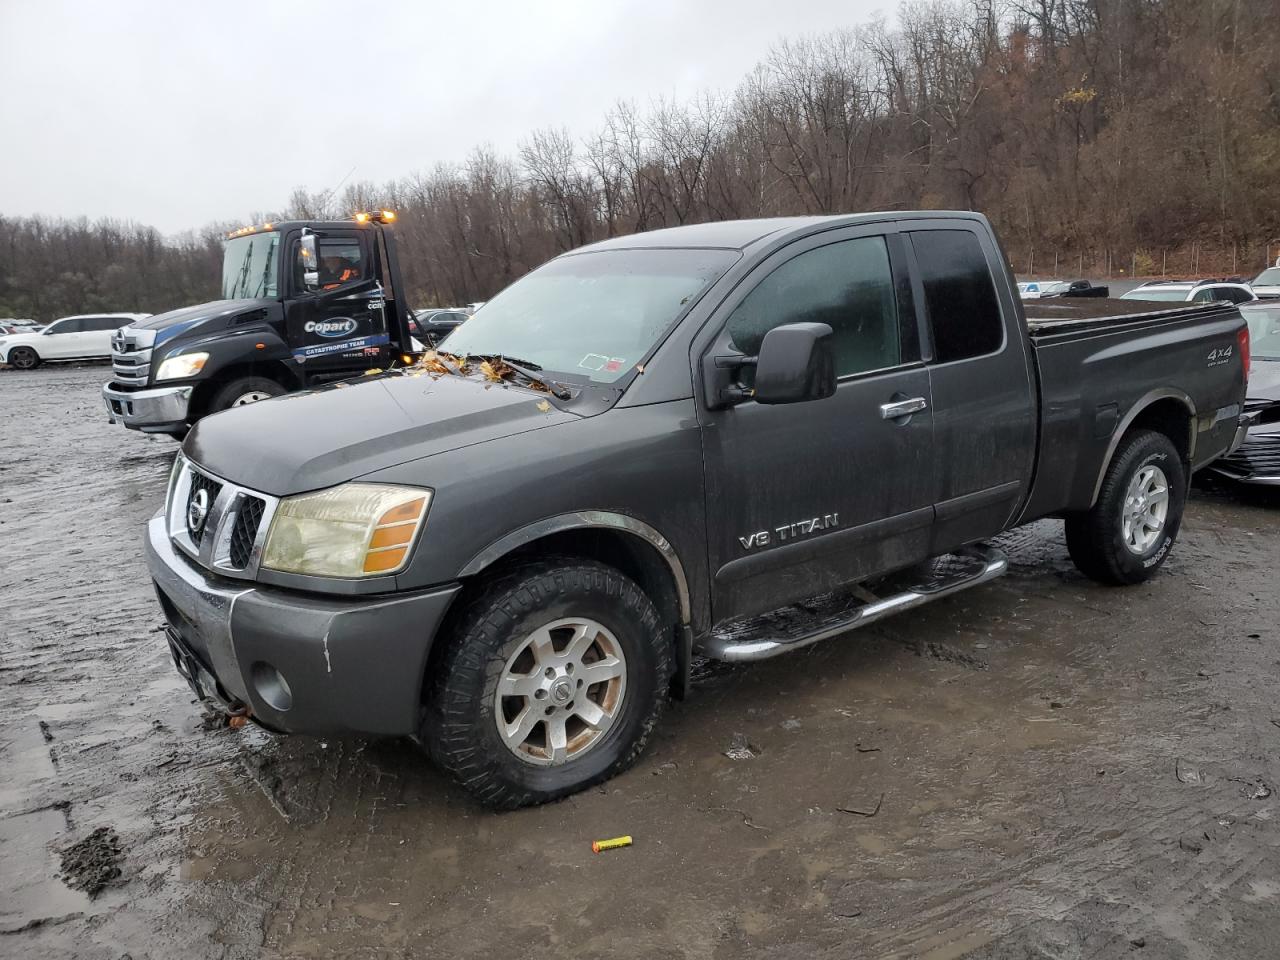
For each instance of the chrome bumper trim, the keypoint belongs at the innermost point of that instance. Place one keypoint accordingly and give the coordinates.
(142, 408)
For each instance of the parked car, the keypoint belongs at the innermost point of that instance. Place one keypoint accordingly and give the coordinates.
(83, 337)
(15, 325)
(432, 326)
(1037, 289)
(733, 438)
(1267, 284)
(1257, 460)
(1192, 291)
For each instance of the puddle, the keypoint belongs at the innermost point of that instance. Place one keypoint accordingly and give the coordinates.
(30, 895)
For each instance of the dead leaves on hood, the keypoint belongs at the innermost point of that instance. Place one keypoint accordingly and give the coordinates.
(448, 364)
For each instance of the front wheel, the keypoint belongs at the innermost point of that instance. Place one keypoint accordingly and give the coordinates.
(1128, 534)
(24, 358)
(245, 390)
(552, 681)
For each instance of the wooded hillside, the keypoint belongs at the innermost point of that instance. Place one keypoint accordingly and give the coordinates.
(1100, 136)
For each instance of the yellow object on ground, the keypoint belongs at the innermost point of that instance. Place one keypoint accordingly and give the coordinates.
(598, 845)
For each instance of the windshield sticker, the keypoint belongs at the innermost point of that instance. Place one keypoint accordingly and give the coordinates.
(593, 361)
(614, 365)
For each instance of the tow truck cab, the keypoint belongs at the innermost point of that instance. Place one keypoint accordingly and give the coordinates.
(303, 303)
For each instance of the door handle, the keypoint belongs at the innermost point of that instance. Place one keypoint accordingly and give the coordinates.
(903, 408)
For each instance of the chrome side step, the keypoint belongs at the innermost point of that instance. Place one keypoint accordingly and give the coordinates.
(780, 631)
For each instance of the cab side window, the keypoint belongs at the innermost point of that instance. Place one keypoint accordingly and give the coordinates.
(341, 262)
(964, 313)
(70, 326)
(848, 285)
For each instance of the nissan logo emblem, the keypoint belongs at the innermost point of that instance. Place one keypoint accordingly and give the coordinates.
(197, 510)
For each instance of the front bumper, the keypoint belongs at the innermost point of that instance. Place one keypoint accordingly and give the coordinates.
(163, 410)
(297, 663)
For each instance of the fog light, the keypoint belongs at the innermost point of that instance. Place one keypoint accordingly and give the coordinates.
(271, 686)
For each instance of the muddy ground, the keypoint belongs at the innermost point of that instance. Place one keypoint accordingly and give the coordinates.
(1041, 767)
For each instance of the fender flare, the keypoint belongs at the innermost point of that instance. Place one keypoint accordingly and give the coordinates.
(1146, 400)
(586, 520)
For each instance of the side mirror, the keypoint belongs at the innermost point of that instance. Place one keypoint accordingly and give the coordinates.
(310, 262)
(795, 364)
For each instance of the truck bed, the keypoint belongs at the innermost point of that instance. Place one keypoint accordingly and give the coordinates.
(1099, 359)
(1077, 314)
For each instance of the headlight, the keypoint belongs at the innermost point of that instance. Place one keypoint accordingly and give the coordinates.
(182, 366)
(355, 530)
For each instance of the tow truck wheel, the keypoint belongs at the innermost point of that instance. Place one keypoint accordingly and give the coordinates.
(24, 358)
(246, 390)
(1128, 534)
(552, 681)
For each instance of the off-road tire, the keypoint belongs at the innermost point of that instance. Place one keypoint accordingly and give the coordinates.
(27, 358)
(1095, 539)
(458, 726)
(225, 398)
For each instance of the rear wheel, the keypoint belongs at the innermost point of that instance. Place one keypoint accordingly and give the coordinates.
(555, 675)
(1129, 532)
(24, 358)
(245, 390)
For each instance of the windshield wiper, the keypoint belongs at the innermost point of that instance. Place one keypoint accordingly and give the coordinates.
(525, 369)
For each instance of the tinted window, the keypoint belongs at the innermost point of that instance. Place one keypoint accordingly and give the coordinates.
(963, 311)
(68, 326)
(105, 323)
(847, 285)
(341, 262)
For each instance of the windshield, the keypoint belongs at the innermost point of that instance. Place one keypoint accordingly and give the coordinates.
(593, 315)
(1268, 277)
(249, 266)
(1156, 293)
(1264, 332)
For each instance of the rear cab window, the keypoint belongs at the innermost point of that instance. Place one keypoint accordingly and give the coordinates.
(960, 294)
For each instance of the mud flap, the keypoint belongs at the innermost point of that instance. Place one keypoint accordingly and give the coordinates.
(681, 681)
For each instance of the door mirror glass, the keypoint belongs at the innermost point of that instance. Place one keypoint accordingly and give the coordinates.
(796, 363)
(309, 260)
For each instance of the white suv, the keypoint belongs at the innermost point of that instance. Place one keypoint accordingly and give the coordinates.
(83, 337)
(1192, 291)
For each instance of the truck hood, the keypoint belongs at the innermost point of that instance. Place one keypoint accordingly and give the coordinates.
(329, 435)
(177, 322)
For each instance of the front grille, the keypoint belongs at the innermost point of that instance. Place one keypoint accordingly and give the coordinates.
(131, 356)
(245, 531)
(230, 536)
(211, 489)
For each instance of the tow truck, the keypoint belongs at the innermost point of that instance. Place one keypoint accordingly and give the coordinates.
(303, 303)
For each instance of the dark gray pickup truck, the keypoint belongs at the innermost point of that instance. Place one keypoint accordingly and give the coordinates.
(647, 448)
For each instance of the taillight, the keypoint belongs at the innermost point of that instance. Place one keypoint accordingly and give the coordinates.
(1242, 338)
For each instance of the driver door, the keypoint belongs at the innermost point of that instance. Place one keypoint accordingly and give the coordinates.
(804, 497)
(340, 329)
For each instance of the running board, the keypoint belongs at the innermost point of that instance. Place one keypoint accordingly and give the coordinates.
(796, 626)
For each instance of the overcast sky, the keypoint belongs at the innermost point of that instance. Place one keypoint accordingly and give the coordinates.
(177, 114)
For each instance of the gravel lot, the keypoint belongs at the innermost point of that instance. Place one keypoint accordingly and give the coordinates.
(1038, 768)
